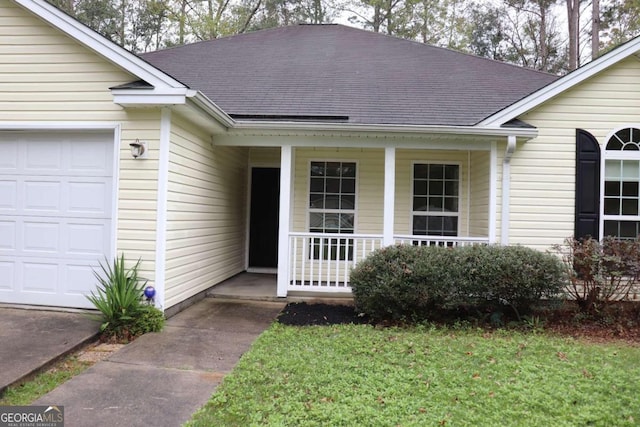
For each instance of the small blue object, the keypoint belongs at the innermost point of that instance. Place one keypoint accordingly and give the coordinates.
(149, 292)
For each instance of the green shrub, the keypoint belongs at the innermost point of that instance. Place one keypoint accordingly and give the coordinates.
(419, 282)
(401, 282)
(515, 276)
(118, 297)
(148, 319)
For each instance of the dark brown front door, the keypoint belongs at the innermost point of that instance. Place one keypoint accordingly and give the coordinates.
(263, 224)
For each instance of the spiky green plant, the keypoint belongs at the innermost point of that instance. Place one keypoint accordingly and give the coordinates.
(118, 295)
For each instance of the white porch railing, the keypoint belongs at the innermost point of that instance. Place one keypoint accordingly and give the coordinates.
(322, 262)
(440, 241)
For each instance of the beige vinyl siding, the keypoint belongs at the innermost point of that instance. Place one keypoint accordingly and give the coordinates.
(47, 77)
(543, 171)
(369, 182)
(479, 183)
(206, 211)
(264, 156)
(404, 185)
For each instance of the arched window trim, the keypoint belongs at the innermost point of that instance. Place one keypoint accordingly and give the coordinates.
(613, 134)
(617, 154)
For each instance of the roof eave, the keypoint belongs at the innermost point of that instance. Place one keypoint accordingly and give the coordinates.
(486, 131)
(570, 80)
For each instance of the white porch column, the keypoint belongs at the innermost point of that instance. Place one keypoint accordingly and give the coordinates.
(286, 168)
(493, 200)
(506, 189)
(389, 195)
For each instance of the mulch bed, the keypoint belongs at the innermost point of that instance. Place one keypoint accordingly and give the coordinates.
(307, 314)
(618, 322)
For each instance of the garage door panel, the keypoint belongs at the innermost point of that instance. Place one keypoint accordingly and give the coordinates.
(88, 239)
(8, 195)
(8, 157)
(41, 237)
(56, 201)
(76, 197)
(89, 198)
(90, 160)
(80, 279)
(77, 238)
(7, 275)
(40, 276)
(41, 281)
(42, 156)
(42, 196)
(8, 231)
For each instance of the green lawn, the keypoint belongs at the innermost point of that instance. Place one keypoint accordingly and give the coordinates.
(357, 375)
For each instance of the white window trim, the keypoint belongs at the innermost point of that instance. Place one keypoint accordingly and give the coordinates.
(308, 210)
(460, 184)
(614, 155)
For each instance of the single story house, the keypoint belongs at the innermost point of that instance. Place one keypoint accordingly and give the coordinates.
(294, 150)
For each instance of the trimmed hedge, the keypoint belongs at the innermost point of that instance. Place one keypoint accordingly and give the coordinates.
(413, 283)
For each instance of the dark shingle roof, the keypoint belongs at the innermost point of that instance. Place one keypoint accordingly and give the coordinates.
(317, 71)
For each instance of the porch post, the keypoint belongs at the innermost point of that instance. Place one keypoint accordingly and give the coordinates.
(286, 167)
(389, 195)
(506, 189)
(493, 199)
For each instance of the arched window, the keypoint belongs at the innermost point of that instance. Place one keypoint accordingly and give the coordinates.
(621, 204)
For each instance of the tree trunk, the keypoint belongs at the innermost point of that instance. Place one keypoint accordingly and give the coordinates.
(595, 29)
(123, 18)
(182, 21)
(377, 18)
(544, 54)
(573, 19)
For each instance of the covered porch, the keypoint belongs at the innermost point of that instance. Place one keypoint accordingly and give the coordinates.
(340, 200)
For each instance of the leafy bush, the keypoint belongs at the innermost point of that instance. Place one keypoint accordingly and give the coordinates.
(506, 275)
(600, 272)
(148, 319)
(418, 282)
(118, 297)
(401, 282)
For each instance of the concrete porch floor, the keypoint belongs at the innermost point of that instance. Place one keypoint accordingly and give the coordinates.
(262, 287)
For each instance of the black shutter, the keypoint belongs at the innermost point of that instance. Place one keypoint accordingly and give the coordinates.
(587, 185)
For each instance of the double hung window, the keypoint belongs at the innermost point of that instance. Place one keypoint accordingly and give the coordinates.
(332, 199)
(435, 209)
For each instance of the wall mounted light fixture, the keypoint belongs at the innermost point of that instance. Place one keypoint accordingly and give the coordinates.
(138, 149)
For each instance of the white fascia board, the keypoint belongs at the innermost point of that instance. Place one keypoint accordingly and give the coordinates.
(563, 84)
(200, 101)
(526, 133)
(111, 51)
(146, 99)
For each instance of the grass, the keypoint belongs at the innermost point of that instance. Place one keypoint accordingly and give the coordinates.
(351, 375)
(41, 384)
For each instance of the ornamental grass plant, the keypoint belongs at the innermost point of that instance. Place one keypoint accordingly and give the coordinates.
(119, 298)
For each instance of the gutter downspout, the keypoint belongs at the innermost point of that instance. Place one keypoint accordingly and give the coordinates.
(506, 189)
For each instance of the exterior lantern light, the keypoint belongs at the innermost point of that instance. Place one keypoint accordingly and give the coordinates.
(138, 149)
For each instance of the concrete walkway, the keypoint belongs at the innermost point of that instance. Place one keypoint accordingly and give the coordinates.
(162, 379)
(32, 339)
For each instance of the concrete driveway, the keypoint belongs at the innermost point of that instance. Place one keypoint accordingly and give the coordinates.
(31, 339)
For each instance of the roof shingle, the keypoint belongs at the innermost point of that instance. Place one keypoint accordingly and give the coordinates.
(339, 71)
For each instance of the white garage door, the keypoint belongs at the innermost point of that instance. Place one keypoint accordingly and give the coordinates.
(56, 198)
